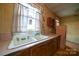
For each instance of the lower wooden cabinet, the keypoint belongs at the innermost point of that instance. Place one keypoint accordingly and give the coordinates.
(47, 48)
(25, 52)
(52, 46)
(40, 50)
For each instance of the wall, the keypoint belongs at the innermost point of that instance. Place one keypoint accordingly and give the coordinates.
(6, 12)
(6, 17)
(45, 14)
(72, 23)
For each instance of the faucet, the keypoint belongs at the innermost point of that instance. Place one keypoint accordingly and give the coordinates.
(28, 37)
(17, 39)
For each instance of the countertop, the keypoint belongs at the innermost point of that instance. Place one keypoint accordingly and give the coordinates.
(5, 43)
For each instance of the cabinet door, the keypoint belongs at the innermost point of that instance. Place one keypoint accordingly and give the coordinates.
(52, 46)
(58, 42)
(39, 50)
(25, 52)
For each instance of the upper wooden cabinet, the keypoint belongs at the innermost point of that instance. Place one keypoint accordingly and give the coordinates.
(51, 25)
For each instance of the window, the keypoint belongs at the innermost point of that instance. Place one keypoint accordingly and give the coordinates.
(28, 18)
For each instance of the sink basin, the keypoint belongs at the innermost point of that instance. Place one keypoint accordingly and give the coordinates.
(40, 37)
(20, 40)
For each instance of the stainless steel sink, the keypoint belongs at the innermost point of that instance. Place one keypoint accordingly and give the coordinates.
(23, 39)
(20, 40)
(40, 37)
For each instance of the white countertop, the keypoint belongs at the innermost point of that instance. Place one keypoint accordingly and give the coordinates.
(5, 43)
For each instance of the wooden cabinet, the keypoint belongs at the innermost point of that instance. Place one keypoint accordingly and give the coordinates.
(46, 48)
(52, 46)
(40, 49)
(25, 52)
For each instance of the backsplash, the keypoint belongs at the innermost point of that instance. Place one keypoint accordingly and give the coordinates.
(5, 36)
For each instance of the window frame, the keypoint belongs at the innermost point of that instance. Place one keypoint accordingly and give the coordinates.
(16, 31)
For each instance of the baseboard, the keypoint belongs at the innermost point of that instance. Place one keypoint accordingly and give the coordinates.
(72, 45)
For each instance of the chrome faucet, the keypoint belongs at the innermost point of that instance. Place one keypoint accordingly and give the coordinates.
(28, 37)
(17, 39)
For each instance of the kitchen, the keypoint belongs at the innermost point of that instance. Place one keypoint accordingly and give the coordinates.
(30, 29)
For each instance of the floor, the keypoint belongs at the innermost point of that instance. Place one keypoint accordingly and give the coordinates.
(67, 52)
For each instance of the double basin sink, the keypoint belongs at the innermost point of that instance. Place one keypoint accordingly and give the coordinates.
(23, 39)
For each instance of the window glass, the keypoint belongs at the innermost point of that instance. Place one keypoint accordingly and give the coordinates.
(32, 25)
(28, 18)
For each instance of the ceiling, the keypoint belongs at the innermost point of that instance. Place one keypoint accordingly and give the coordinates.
(64, 9)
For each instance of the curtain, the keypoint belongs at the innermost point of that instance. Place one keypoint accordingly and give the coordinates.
(20, 17)
(15, 20)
